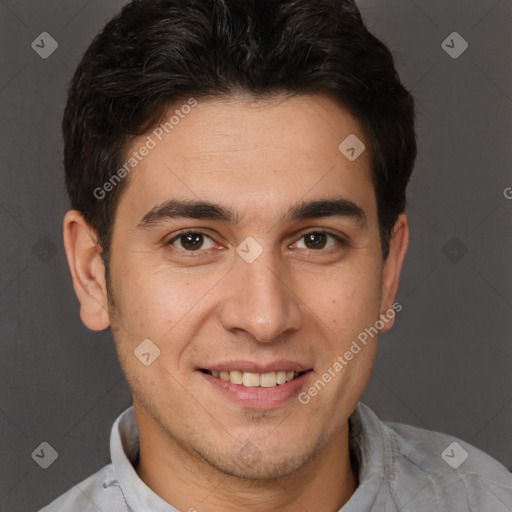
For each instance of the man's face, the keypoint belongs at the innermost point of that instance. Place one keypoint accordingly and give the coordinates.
(265, 291)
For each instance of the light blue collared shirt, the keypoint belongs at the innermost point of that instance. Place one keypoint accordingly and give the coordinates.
(401, 469)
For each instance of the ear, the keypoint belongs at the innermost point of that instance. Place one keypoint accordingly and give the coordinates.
(87, 270)
(392, 268)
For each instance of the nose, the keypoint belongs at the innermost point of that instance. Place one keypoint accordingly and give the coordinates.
(260, 300)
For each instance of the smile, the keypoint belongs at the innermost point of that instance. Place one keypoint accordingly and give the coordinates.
(250, 379)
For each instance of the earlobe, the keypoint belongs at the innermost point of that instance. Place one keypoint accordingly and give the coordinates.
(87, 270)
(398, 244)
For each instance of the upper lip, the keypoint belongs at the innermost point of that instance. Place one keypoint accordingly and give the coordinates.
(254, 367)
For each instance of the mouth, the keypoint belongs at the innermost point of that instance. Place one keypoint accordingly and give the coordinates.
(255, 380)
(255, 384)
(258, 386)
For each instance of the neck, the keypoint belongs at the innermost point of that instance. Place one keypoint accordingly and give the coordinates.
(325, 482)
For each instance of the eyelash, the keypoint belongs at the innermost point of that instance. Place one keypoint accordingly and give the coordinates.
(341, 241)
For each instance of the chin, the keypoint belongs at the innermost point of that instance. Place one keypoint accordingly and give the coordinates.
(250, 463)
(264, 470)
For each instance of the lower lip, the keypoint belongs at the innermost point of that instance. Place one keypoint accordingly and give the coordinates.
(258, 397)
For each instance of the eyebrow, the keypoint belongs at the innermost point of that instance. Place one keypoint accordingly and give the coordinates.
(175, 209)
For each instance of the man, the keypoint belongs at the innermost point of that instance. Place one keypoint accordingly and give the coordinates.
(237, 174)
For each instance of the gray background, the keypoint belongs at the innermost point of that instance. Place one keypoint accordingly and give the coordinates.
(445, 365)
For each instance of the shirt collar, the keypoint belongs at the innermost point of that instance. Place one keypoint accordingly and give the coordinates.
(369, 444)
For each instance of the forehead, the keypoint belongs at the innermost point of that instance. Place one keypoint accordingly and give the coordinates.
(307, 124)
(263, 151)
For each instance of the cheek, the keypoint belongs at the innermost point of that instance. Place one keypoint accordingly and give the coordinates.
(347, 299)
(150, 309)
(348, 308)
(157, 301)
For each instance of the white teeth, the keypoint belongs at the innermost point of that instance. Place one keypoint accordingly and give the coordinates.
(236, 377)
(281, 377)
(250, 379)
(268, 380)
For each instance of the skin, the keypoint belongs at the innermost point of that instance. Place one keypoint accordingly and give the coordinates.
(294, 301)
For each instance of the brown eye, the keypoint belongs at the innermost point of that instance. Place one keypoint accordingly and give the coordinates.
(315, 240)
(191, 241)
(319, 240)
